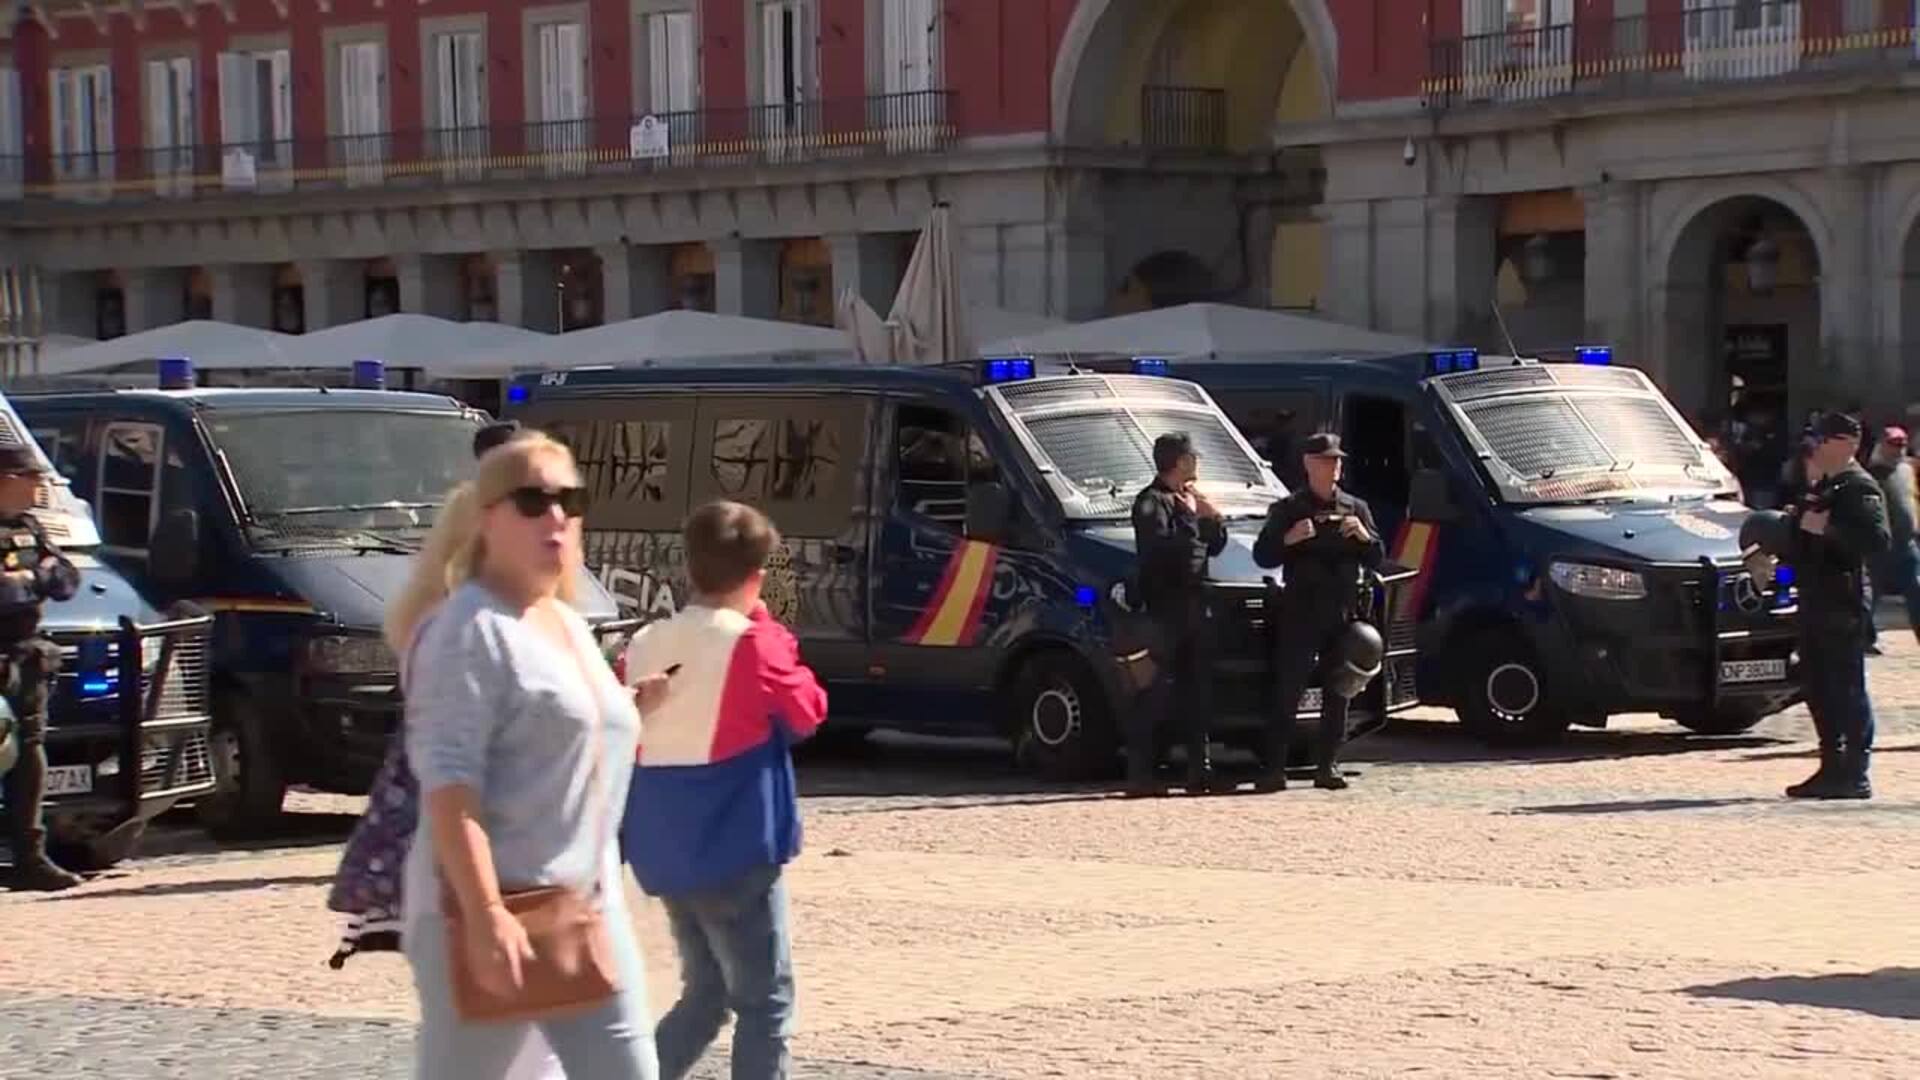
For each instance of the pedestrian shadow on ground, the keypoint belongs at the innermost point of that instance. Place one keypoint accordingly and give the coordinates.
(1810, 752)
(188, 888)
(1890, 992)
(179, 834)
(1639, 806)
(1409, 741)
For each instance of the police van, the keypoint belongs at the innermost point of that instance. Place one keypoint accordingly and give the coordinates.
(291, 515)
(1576, 542)
(127, 733)
(953, 535)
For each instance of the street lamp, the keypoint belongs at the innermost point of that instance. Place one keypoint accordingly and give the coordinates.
(1763, 265)
(1536, 259)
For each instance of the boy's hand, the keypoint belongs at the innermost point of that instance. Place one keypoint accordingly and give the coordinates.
(651, 692)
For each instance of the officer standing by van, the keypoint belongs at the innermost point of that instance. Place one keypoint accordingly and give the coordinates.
(32, 571)
(1325, 538)
(1175, 531)
(1842, 524)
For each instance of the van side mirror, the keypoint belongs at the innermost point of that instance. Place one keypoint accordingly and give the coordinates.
(1430, 497)
(173, 555)
(989, 512)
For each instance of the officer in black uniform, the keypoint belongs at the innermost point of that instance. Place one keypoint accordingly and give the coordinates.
(1842, 524)
(495, 434)
(1175, 531)
(32, 571)
(1324, 538)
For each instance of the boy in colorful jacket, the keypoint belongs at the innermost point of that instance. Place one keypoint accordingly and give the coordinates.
(712, 815)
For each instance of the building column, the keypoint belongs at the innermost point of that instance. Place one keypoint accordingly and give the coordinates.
(1850, 360)
(243, 294)
(526, 290)
(1348, 270)
(1616, 273)
(430, 285)
(746, 277)
(1462, 239)
(1079, 282)
(633, 281)
(154, 298)
(335, 292)
(868, 265)
(70, 303)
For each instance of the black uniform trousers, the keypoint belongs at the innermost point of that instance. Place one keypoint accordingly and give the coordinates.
(1833, 675)
(1306, 644)
(27, 682)
(1182, 651)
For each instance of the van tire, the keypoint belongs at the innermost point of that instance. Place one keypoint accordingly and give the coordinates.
(246, 805)
(1062, 726)
(1725, 720)
(1504, 697)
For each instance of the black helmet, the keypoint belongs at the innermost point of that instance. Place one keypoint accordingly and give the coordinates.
(1768, 532)
(1355, 660)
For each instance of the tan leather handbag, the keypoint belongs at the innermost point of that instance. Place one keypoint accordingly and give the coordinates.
(573, 968)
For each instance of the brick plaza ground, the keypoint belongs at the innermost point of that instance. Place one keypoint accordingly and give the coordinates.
(1633, 903)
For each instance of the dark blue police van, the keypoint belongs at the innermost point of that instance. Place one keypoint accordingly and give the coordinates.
(954, 535)
(291, 515)
(1576, 542)
(127, 735)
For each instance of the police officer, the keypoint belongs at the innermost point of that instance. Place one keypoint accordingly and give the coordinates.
(32, 571)
(1175, 530)
(1324, 538)
(1842, 524)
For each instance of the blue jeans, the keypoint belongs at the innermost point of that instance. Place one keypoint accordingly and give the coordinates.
(1898, 571)
(611, 1042)
(735, 955)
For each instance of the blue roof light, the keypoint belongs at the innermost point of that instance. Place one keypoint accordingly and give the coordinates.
(176, 373)
(96, 684)
(1448, 361)
(1006, 369)
(1152, 365)
(1601, 355)
(1086, 596)
(369, 375)
(518, 393)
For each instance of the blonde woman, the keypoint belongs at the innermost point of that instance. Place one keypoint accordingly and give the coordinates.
(522, 763)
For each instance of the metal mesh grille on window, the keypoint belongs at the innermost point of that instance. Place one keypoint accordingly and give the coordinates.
(1639, 430)
(1537, 435)
(1025, 396)
(1104, 454)
(1221, 459)
(1149, 388)
(1473, 385)
(1590, 377)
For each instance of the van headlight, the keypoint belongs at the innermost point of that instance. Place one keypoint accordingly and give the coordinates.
(348, 654)
(1598, 582)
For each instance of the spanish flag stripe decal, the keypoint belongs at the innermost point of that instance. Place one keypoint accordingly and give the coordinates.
(940, 594)
(981, 592)
(954, 612)
(1413, 549)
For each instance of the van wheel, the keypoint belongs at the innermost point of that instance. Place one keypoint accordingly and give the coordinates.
(249, 786)
(1726, 720)
(1062, 727)
(1505, 699)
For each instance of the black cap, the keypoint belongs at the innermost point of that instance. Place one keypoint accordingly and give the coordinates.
(495, 434)
(1168, 449)
(1836, 425)
(1323, 444)
(19, 458)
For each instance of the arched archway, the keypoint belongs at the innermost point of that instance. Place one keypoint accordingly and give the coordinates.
(1743, 313)
(1165, 279)
(1265, 58)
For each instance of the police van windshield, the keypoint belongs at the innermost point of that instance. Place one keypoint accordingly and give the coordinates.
(1551, 433)
(337, 470)
(1097, 431)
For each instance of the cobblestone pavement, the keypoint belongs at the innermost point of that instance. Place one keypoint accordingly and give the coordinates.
(1632, 903)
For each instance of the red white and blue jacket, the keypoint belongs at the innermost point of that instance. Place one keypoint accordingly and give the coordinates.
(713, 792)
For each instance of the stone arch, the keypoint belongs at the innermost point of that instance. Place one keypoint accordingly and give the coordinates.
(1086, 74)
(1166, 278)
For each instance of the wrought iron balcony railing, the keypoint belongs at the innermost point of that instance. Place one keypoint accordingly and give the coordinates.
(906, 123)
(1718, 41)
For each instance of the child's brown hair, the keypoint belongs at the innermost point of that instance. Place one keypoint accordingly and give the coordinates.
(727, 542)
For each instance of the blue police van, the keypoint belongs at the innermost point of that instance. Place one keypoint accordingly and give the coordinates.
(127, 734)
(954, 535)
(1576, 542)
(291, 515)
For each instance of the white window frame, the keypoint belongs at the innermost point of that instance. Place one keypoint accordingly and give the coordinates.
(910, 46)
(560, 88)
(81, 97)
(263, 130)
(1502, 62)
(170, 97)
(672, 41)
(159, 434)
(456, 107)
(789, 52)
(358, 118)
(1719, 49)
(12, 135)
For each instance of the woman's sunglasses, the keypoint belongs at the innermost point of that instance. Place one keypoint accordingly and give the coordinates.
(535, 502)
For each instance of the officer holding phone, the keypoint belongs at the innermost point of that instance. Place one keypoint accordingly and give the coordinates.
(1325, 538)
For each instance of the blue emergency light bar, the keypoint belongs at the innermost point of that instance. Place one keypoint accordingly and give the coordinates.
(1601, 355)
(369, 375)
(1006, 369)
(517, 394)
(1448, 361)
(176, 373)
(1152, 365)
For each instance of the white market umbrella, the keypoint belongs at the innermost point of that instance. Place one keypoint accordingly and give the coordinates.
(668, 336)
(872, 340)
(439, 348)
(1204, 331)
(212, 346)
(929, 311)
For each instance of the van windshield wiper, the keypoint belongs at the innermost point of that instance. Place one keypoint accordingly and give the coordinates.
(349, 508)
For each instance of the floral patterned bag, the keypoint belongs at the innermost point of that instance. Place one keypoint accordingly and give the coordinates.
(367, 886)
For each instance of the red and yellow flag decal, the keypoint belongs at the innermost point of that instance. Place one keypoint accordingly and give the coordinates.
(1414, 549)
(952, 617)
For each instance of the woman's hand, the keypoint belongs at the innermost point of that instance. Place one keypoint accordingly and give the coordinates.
(496, 947)
(651, 691)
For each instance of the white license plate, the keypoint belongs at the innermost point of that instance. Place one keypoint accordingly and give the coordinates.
(1310, 699)
(69, 779)
(1752, 671)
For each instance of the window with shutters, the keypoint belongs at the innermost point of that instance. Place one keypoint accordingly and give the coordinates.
(256, 115)
(911, 53)
(562, 132)
(788, 52)
(82, 107)
(12, 134)
(672, 59)
(169, 128)
(359, 110)
(457, 105)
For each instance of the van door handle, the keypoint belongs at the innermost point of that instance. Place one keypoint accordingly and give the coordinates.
(845, 553)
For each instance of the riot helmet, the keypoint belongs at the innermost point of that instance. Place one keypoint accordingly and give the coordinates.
(1356, 658)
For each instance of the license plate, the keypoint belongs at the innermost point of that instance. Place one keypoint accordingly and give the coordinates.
(69, 779)
(1752, 671)
(1310, 699)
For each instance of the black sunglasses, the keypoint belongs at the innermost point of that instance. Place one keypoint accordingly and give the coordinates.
(534, 502)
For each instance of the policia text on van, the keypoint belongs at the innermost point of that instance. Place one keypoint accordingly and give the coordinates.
(1576, 541)
(954, 534)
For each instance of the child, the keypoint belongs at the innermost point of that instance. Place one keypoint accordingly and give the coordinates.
(712, 815)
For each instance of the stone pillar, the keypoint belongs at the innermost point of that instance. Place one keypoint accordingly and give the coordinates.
(154, 298)
(335, 292)
(430, 285)
(1462, 240)
(1079, 279)
(525, 287)
(1349, 267)
(243, 294)
(746, 278)
(633, 282)
(1850, 360)
(868, 265)
(70, 302)
(1616, 274)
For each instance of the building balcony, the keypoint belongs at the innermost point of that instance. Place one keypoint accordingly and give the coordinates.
(1721, 42)
(769, 135)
